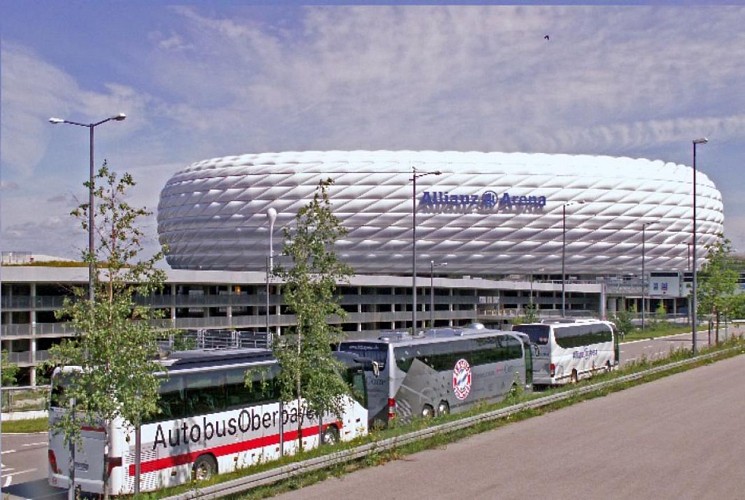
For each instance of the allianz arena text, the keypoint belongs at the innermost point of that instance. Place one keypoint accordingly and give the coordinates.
(485, 214)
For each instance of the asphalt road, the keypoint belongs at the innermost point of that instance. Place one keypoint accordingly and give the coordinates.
(680, 437)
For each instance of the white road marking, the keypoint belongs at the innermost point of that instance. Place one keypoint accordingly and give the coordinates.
(8, 479)
(21, 472)
(40, 443)
(7, 451)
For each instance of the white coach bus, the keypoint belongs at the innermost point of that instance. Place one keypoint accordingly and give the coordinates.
(440, 370)
(568, 350)
(209, 423)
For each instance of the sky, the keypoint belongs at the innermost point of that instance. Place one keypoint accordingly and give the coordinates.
(199, 80)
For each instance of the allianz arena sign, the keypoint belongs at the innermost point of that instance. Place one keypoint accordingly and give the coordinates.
(486, 201)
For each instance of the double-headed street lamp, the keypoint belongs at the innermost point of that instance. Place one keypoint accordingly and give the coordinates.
(563, 252)
(91, 191)
(694, 319)
(432, 266)
(644, 288)
(271, 214)
(414, 176)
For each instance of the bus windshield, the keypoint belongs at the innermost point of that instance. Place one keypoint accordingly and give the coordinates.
(374, 351)
(538, 333)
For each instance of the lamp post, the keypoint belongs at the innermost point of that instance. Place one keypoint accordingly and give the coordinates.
(563, 252)
(91, 191)
(432, 266)
(271, 214)
(414, 176)
(644, 288)
(694, 319)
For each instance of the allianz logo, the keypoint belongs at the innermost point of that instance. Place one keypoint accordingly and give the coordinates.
(488, 200)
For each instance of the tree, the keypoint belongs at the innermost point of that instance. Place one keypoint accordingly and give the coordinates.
(717, 282)
(114, 350)
(309, 372)
(9, 370)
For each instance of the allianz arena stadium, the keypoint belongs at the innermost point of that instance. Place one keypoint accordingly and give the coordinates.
(485, 214)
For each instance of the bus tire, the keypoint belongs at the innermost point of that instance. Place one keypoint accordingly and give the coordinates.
(443, 408)
(204, 468)
(427, 411)
(575, 377)
(330, 435)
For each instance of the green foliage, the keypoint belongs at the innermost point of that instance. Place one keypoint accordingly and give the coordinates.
(622, 320)
(308, 369)
(660, 314)
(530, 315)
(717, 281)
(114, 350)
(9, 370)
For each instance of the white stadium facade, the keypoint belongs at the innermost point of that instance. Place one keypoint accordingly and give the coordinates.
(486, 214)
(491, 230)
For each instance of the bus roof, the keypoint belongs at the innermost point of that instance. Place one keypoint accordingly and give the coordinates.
(431, 336)
(186, 360)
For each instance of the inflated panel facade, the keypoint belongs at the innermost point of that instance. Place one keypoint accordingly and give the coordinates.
(486, 214)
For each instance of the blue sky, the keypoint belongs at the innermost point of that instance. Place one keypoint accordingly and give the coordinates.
(204, 79)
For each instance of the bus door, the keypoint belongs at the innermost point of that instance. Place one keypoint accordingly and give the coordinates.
(616, 347)
(540, 348)
(528, 352)
(377, 379)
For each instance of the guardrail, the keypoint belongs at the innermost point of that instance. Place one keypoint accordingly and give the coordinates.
(288, 471)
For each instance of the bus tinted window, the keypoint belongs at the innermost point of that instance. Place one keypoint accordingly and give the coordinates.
(538, 333)
(444, 355)
(582, 335)
(376, 351)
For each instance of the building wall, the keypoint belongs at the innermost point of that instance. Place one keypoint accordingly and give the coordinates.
(237, 301)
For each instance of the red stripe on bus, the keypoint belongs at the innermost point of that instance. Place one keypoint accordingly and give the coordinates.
(219, 451)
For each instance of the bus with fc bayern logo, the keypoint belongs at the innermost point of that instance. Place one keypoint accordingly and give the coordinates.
(441, 370)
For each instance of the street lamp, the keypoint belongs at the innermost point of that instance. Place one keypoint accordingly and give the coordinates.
(563, 252)
(432, 266)
(696, 142)
(271, 214)
(91, 190)
(644, 288)
(414, 176)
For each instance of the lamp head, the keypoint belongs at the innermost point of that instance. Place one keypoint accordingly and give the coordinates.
(119, 117)
(702, 140)
(55, 121)
(271, 214)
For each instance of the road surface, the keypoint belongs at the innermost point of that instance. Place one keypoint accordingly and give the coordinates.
(680, 437)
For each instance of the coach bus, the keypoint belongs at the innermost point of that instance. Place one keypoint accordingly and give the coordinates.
(568, 350)
(209, 422)
(440, 371)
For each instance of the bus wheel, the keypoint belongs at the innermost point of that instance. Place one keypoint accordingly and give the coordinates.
(443, 408)
(204, 468)
(575, 377)
(428, 411)
(330, 435)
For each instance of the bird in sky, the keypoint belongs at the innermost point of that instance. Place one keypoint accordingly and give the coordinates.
(546, 37)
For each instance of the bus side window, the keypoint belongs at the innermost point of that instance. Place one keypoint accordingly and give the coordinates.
(171, 403)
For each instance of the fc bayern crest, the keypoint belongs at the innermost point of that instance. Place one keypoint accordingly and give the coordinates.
(462, 379)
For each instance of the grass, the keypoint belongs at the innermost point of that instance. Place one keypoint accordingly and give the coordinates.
(25, 426)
